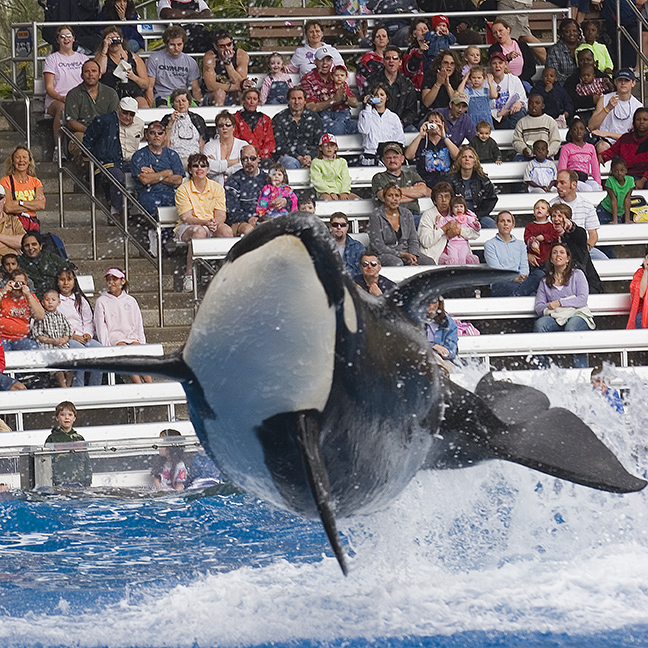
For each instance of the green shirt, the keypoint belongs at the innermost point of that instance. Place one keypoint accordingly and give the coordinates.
(619, 191)
(407, 178)
(81, 107)
(71, 468)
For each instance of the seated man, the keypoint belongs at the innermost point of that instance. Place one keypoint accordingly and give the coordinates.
(171, 68)
(370, 279)
(349, 249)
(460, 126)
(18, 307)
(242, 191)
(505, 252)
(225, 70)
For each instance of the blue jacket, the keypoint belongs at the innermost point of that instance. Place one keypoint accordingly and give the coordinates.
(446, 335)
(102, 138)
(353, 250)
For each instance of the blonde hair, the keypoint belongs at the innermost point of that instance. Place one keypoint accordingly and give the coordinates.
(9, 162)
(456, 165)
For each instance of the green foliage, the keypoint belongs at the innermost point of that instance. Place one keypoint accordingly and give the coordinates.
(16, 11)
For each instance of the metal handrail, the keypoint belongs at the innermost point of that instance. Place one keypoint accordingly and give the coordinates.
(25, 132)
(127, 198)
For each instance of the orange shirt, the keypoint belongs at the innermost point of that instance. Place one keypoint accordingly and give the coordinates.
(22, 190)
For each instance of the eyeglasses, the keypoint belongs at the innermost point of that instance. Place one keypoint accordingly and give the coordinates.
(252, 158)
(392, 58)
(373, 264)
(225, 125)
(200, 165)
(339, 225)
(157, 132)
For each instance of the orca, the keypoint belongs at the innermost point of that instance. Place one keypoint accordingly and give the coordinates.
(322, 399)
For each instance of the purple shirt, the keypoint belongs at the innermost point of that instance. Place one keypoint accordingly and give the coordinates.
(574, 294)
(462, 128)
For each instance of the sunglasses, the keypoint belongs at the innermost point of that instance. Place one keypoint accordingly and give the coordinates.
(249, 159)
(339, 225)
(373, 264)
(392, 58)
(157, 132)
(200, 165)
(225, 125)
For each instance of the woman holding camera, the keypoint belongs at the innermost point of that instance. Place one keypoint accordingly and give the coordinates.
(378, 124)
(432, 149)
(120, 69)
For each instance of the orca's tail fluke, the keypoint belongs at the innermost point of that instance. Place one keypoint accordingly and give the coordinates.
(503, 420)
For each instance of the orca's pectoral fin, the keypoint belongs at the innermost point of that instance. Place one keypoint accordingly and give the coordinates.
(308, 434)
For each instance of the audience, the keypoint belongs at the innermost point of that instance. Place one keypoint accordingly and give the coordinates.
(303, 60)
(318, 83)
(337, 119)
(561, 56)
(198, 38)
(485, 146)
(601, 53)
(510, 105)
(253, 126)
(558, 103)
(369, 278)
(441, 332)
(329, 174)
(372, 61)
(169, 470)
(441, 80)
(457, 250)
(18, 306)
(116, 11)
(277, 197)
(534, 126)
(347, 247)
(619, 188)
(580, 156)
(415, 58)
(459, 123)
(378, 123)
(186, 131)
(584, 105)
(225, 70)
(224, 150)
(41, 266)
(11, 229)
(519, 57)
(638, 317)
(274, 89)
(540, 235)
(242, 191)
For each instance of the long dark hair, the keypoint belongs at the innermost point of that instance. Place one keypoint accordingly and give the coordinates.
(175, 456)
(436, 65)
(79, 295)
(550, 269)
(441, 317)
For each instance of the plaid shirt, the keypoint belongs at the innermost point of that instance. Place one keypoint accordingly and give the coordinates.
(316, 88)
(54, 325)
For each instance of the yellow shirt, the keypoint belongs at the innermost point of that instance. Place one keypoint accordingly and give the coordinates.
(188, 198)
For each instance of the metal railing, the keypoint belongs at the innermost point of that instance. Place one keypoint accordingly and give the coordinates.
(26, 131)
(127, 199)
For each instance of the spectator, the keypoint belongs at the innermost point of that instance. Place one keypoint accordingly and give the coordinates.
(85, 102)
(120, 69)
(200, 203)
(638, 317)
(485, 146)
(9, 263)
(242, 191)
(432, 149)
(561, 300)
(519, 56)
(480, 89)
(510, 105)
(519, 23)
(459, 123)
(612, 396)
(592, 86)
(329, 173)
(303, 60)
(186, 131)
(584, 106)
(631, 147)
(601, 53)
(438, 38)
(369, 278)
(414, 59)
(62, 72)
(471, 57)
(169, 470)
(562, 55)
(277, 197)
(41, 266)
(11, 229)
(254, 127)
(274, 89)
(117, 317)
(337, 119)
(297, 132)
(318, 84)
(535, 126)
(73, 13)
(441, 80)
(581, 157)
(410, 182)
(76, 308)
(378, 123)
(442, 334)
(225, 70)
(18, 306)
(619, 188)
(540, 172)
(348, 248)
(372, 61)
(614, 112)
(469, 180)
(71, 467)
(224, 151)
(505, 252)
(539, 236)
(171, 68)
(198, 38)
(558, 103)
(116, 11)
(306, 203)
(114, 138)
(24, 194)
(392, 233)
(457, 249)
(157, 170)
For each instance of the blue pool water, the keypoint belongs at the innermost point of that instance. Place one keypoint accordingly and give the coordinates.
(496, 555)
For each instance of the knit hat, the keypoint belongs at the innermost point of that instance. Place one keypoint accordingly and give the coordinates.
(437, 20)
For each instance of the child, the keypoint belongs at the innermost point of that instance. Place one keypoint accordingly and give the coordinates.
(540, 173)
(337, 119)
(277, 187)
(581, 157)
(71, 468)
(438, 38)
(485, 146)
(592, 86)
(169, 469)
(611, 395)
(600, 51)
(457, 249)
(558, 103)
(619, 188)
(540, 235)
(277, 82)
(10, 263)
(479, 94)
(472, 57)
(117, 317)
(307, 203)
(330, 174)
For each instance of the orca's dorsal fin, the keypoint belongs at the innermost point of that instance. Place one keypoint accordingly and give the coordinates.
(413, 295)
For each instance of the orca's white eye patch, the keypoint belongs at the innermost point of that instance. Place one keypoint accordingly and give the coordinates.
(349, 312)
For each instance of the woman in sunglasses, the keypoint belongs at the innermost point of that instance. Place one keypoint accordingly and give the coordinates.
(201, 205)
(224, 151)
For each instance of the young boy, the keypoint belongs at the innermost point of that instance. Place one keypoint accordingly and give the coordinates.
(306, 203)
(540, 174)
(592, 86)
(9, 263)
(337, 119)
(72, 468)
(558, 103)
(600, 51)
(619, 188)
(484, 145)
(438, 39)
(534, 126)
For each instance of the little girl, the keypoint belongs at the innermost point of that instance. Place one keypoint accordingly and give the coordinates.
(277, 82)
(479, 94)
(457, 249)
(540, 235)
(581, 157)
(169, 469)
(330, 174)
(619, 186)
(472, 57)
(277, 187)
(117, 317)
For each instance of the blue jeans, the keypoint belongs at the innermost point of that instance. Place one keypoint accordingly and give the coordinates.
(487, 222)
(290, 162)
(6, 382)
(24, 344)
(510, 121)
(512, 289)
(338, 122)
(79, 376)
(547, 324)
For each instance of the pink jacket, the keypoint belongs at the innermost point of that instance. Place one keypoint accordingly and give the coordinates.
(118, 319)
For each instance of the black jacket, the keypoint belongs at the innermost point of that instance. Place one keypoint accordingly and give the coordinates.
(483, 192)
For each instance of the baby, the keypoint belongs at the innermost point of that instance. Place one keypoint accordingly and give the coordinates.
(540, 235)
(439, 38)
(591, 85)
(457, 249)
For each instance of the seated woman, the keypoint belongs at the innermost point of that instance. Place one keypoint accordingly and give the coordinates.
(441, 80)
(302, 60)
(392, 233)
(639, 307)
(441, 332)
(41, 266)
(561, 300)
(414, 58)
(201, 206)
(372, 61)
(117, 10)
(432, 149)
(377, 124)
(224, 151)
(186, 131)
(562, 55)
(519, 56)
(469, 180)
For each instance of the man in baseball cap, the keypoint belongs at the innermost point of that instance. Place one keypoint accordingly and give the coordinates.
(459, 125)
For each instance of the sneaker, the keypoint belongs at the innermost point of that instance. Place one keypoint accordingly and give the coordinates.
(187, 283)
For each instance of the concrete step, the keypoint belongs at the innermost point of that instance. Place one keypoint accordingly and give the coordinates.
(172, 317)
(172, 337)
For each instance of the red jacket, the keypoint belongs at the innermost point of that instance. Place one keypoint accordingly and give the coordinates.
(262, 137)
(633, 151)
(637, 302)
